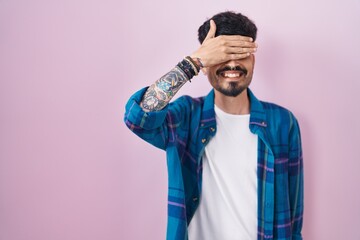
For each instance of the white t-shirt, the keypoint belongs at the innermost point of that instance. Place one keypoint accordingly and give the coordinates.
(228, 201)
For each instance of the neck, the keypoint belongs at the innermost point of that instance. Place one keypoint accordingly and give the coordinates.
(233, 105)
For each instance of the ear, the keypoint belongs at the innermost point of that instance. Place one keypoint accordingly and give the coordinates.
(253, 59)
(204, 70)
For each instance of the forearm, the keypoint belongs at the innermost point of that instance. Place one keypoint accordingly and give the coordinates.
(163, 90)
(159, 94)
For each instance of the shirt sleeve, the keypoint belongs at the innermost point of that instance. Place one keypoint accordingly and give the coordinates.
(296, 179)
(154, 127)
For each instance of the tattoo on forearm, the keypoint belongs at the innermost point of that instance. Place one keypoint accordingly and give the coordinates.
(163, 90)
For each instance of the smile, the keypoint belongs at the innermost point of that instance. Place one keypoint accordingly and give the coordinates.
(231, 74)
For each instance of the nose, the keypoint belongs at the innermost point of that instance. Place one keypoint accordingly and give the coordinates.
(236, 62)
(232, 63)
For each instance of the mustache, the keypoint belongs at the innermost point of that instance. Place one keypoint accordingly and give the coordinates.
(231, 68)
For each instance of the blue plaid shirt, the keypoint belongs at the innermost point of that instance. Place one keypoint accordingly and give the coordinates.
(186, 125)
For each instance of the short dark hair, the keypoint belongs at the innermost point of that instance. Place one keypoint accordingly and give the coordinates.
(229, 23)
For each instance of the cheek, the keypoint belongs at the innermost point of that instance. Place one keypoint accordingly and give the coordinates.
(250, 69)
(212, 78)
(211, 74)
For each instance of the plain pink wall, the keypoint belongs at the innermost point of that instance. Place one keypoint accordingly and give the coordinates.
(70, 169)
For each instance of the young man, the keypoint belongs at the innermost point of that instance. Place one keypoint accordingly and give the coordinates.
(235, 166)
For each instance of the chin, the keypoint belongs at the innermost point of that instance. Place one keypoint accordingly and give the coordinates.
(232, 90)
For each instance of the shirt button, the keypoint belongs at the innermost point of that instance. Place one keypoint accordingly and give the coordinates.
(202, 125)
(203, 140)
(212, 129)
(195, 199)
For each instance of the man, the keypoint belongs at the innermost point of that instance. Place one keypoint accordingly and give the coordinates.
(235, 166)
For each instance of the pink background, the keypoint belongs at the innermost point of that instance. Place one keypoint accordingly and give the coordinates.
(70, 169)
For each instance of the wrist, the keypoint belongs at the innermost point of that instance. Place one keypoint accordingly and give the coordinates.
(197, 61)
(188, 67)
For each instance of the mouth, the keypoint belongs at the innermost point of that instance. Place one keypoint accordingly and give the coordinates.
(232, 73)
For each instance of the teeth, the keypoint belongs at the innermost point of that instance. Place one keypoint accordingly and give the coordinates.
(232, 75)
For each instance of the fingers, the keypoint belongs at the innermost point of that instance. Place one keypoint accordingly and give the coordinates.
(215, 50)
(212, 30)
(235, 38)
(237, 56)
(236, 50)
(237, 44)
(235, 53)
(240, 44)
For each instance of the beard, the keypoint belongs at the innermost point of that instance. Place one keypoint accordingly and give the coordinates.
(232, 90)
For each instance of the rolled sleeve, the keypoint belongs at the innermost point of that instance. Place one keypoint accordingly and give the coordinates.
(137, 117)
(150, 126)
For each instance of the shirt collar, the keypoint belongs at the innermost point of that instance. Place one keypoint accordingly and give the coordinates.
(257, 112)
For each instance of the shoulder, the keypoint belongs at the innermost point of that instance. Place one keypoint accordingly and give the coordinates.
(278, 114)
(273, 108)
